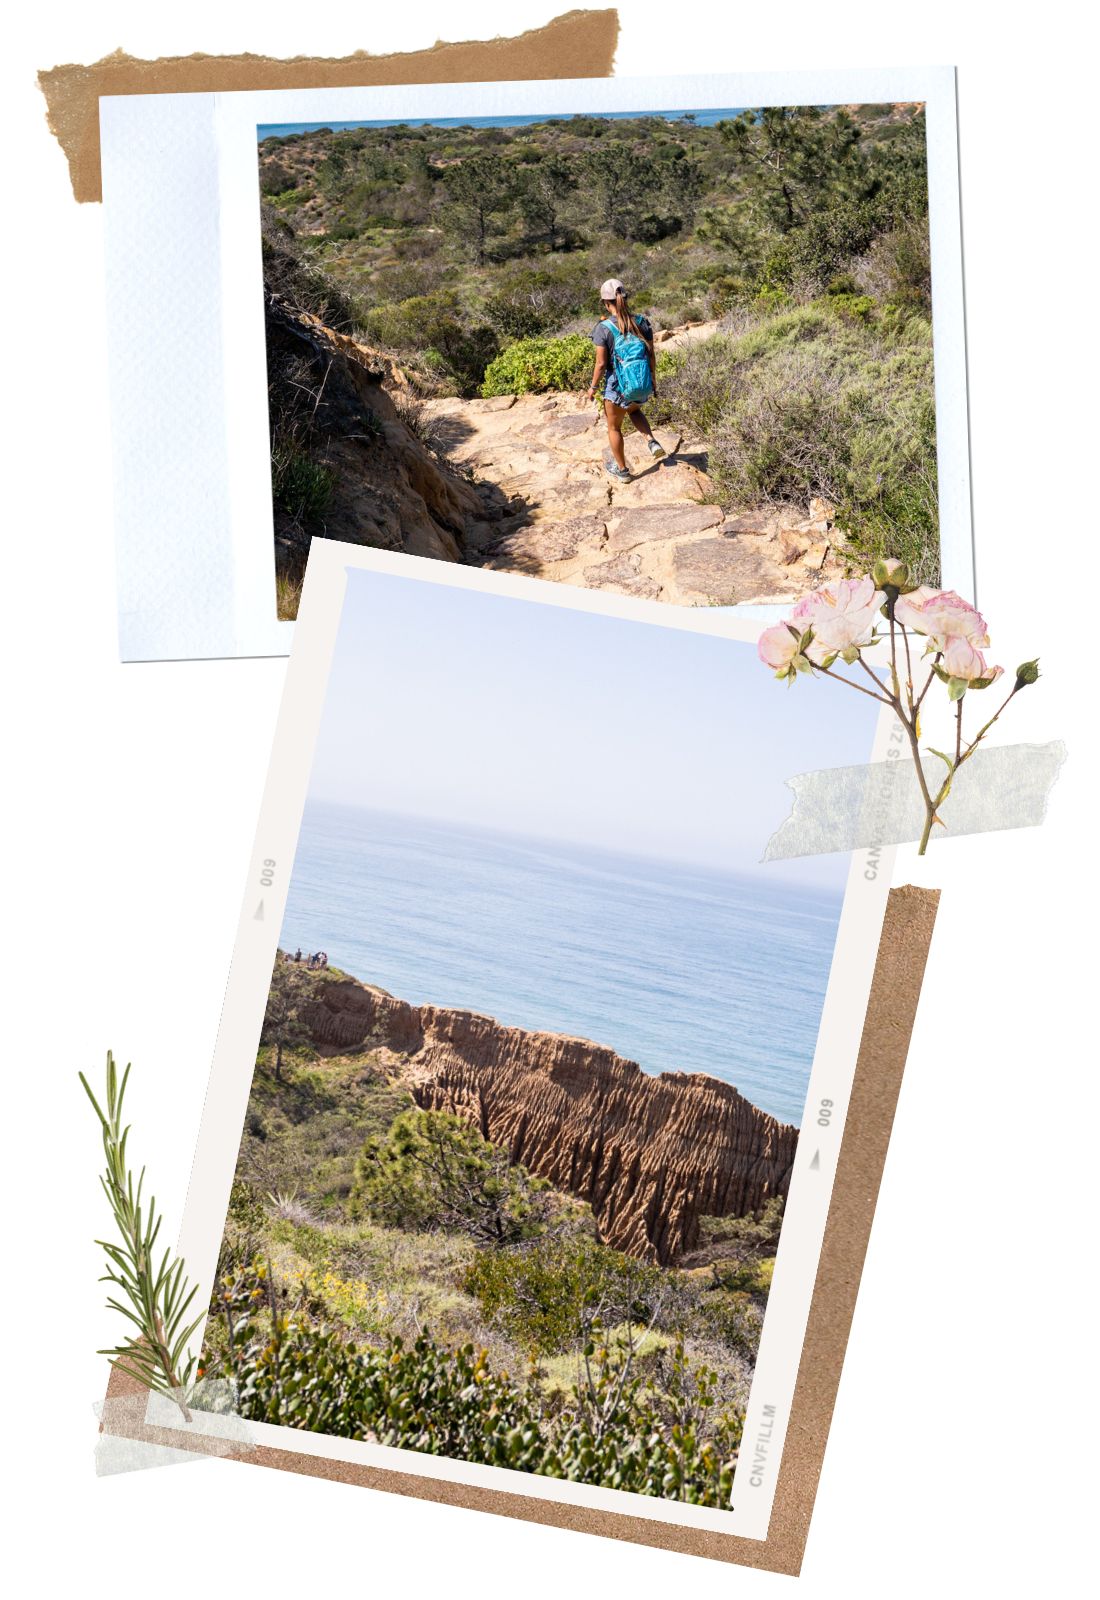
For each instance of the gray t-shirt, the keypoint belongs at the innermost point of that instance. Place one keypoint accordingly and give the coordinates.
(604, 334)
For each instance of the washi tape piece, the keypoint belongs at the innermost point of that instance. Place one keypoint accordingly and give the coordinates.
(851, 808)
(139, 1430)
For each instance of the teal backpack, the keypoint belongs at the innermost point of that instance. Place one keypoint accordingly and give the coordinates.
(630, 360)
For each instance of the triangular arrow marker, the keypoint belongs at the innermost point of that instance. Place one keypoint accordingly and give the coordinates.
(258, 914)
(815, 1164)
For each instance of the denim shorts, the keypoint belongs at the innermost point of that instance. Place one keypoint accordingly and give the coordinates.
(611, 392)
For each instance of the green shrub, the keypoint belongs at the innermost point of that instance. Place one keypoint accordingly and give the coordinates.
(416, 323)
(785, 434)
(245, 1224)
(747, 1237)
(833, 398)
(902, 520)
(736, 1318)
(528, 301)
(831, 238)
(434, 1170)
(855, 307)
(543, 1296)
(300, 486)
(275, 178)
(726, 293)
(695, 385)
(531, 366)
(434, 327)
(905, 255)
(663, 1433)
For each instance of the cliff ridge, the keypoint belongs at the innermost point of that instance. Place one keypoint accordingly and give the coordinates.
(650, 1154)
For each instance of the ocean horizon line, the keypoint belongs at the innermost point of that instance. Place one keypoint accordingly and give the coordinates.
(678, 966)
(701, 116)
(582, 846)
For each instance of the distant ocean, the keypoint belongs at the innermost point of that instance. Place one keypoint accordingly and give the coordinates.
(703, 119)
(675, 967)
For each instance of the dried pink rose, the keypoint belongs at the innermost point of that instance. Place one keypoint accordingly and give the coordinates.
(844, 618)
(842, 615)
(941, 614)
(778, 648)
(962, 660)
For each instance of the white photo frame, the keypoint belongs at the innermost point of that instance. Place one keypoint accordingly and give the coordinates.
(187, 359)
(261, 919)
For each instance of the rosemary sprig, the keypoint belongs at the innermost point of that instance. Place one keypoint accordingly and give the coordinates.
(158, 1298)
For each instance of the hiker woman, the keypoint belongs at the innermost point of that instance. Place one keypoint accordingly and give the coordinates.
(624, 352)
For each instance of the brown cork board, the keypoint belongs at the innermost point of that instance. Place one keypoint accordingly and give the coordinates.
(578, 44)
(891, 1010)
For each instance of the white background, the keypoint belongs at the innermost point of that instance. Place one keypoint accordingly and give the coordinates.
(963, 1443)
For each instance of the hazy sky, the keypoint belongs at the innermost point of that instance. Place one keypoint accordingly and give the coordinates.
(539, 720)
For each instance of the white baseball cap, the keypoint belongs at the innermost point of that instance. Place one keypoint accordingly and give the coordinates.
(611, 288)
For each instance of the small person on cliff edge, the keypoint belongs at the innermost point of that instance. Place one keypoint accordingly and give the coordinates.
(624, 351)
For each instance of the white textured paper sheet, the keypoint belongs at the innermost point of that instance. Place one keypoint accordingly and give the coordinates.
(196, 567)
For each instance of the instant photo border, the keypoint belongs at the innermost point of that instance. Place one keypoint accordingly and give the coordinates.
(187, 355)
(773, 1424)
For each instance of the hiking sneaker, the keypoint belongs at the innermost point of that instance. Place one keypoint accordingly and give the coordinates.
(657, 451)
(620, 474)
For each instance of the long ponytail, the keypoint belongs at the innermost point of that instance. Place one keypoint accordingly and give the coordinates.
(624, 321)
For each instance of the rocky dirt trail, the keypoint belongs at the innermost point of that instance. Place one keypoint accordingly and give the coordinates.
(663, 536)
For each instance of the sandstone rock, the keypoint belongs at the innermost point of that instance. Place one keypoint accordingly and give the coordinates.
(734, 572)
(388, 489)
(643, 525)
(381, 367)
(496, 402)
(710, 567)
(689, 333)
(792, 547)
(623, 574)
(544, 463)
(756, 524)
(567, 426)
(573, 433)
(675, 482)
(479, 536)
(651, 1155)
(548, 541)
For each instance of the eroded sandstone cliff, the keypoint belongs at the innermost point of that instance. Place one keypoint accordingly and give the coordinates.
(651, 1155)
(340, 404)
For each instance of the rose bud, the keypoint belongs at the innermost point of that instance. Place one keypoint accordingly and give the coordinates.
(890, 574)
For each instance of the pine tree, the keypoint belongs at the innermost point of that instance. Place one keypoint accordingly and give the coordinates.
(434, 1170)
(792, 161)
(547, 186)
(612, 173)
(480, 189)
